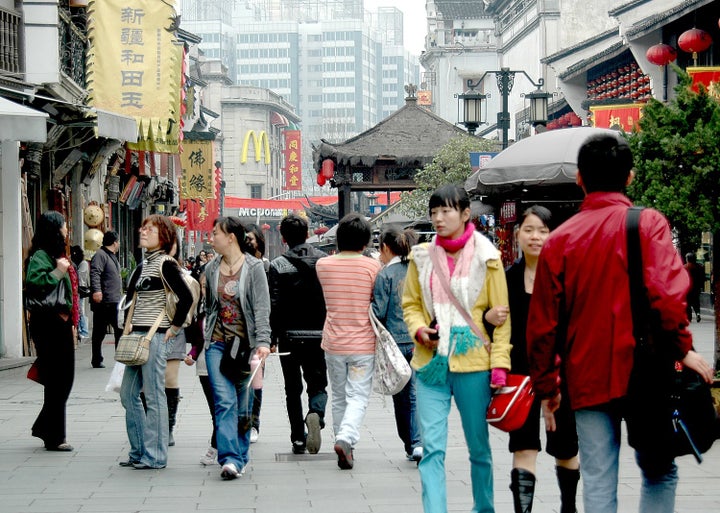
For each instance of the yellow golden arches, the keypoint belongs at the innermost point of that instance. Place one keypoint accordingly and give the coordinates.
(260, 143)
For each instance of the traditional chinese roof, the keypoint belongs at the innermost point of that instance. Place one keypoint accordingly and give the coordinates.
(461, 9)
(411, 136)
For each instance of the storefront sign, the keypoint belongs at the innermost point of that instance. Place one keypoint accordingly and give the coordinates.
(260, 143)
(293, 159)
(625, 116)
(709, 76)
(197, 181)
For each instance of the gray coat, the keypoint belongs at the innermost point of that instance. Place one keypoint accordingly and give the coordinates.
(105, 275)
(253, 295)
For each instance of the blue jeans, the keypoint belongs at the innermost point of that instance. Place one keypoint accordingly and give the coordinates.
(233, 411)
(351, 382)
(148, 433)
(405, 409)
(599, 437)
(472, 396)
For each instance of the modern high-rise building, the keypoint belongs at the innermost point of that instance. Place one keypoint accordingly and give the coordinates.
(343, 68)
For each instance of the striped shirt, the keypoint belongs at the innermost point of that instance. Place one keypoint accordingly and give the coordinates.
(347, 281)
(150, 294)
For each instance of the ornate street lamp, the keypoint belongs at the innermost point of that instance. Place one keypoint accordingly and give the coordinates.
(505, 80)
(472, 109)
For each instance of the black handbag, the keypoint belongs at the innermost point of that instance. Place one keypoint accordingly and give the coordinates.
(53, 301)
(235, 361)
(670, 409)
(83, 291)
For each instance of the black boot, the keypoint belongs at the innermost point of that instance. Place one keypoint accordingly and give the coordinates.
(522, 484)
(568, 480)
(173, 398)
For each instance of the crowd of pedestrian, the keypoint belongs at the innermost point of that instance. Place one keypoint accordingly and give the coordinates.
(459, 318)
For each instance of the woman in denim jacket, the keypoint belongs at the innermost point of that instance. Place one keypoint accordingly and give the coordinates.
(387, 304)
(237, 304)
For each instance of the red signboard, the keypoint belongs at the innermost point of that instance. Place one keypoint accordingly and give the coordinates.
(612, 116)
(293, 160)
(709, 76)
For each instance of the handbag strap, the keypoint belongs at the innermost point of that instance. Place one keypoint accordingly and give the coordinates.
(435, 257)
(638, 302)
(155, 325)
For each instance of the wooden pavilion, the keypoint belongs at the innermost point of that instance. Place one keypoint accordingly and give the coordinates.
(387, 156)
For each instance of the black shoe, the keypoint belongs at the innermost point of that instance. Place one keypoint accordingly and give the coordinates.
(128, 463)
(99, 366)
(698, 317)
(298, 447)
(142, 466)
(345, 455)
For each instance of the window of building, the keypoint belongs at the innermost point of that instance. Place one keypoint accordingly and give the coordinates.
(256, 191)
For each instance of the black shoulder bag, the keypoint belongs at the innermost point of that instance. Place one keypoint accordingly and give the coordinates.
(670, 410)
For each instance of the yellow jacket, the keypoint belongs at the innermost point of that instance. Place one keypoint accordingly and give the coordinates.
(418, 308)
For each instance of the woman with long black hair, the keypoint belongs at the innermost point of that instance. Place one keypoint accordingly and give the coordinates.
(52, 328)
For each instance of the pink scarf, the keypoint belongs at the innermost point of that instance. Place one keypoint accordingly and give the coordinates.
(454, 245)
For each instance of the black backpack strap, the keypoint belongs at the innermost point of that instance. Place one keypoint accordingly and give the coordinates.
(638, 293)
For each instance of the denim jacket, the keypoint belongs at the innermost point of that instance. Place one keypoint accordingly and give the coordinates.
(254, 300)
(387, 300)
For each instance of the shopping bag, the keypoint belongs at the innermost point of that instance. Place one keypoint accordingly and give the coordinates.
(116, 377)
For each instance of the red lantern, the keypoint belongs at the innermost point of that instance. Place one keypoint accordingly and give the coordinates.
(321, 179)
(694, 40)
(320, 230)
(328, 168)
(575, 120)
(265, 227)
(660, 54)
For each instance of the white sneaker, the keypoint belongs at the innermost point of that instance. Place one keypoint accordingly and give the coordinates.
(417, 454)
(229, 471)
(254, 435)
(210, 457)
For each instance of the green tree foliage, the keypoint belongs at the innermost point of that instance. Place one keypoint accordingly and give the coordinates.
(677, 161)
(450, 166)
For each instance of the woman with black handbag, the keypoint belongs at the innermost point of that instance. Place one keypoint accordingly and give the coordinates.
(148, 432)
(51, 294)
(237, 324)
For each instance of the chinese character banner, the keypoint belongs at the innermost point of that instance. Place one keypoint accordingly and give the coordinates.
(134, 67)
(197, 164)
(293, 160)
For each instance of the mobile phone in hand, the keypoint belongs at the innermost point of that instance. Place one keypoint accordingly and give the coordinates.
(434, 326)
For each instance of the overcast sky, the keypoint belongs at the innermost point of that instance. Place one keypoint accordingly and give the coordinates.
(414, 22)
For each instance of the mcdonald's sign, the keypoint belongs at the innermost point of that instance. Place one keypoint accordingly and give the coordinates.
(260, 143)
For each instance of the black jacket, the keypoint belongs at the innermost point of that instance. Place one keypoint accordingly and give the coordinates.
(105, 275)
(296, 298)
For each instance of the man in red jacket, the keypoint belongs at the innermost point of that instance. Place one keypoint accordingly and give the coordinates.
(582, 296)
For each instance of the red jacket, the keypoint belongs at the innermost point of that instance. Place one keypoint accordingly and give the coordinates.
(582, 276)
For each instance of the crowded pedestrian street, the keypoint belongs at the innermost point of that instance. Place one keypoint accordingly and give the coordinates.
(33, 480)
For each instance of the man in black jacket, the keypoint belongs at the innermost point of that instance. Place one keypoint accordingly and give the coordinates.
(297, 329)
(106, 290)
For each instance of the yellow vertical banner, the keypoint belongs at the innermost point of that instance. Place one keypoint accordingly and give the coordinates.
(134, 67)
(197, 164)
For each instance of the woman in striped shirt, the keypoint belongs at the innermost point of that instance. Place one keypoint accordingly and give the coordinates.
(148, 433)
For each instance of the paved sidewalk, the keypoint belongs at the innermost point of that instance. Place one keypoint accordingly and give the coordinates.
(90, 480)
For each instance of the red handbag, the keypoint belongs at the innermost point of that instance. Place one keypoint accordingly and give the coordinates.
(510, 405)
(33, 373)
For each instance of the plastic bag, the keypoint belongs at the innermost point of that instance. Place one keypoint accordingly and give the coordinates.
(116, 377)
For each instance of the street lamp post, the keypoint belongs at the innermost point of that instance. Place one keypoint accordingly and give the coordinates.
(505, 80)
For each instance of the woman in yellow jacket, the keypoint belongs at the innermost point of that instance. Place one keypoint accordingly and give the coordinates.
(450, 360)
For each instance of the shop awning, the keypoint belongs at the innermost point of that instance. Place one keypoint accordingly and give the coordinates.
(20, 123)
(116, 126)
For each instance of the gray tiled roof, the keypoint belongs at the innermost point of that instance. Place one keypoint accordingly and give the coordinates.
(461, 9)
(411, 135)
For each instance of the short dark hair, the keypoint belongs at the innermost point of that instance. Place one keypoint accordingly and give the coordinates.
(167, 232)
(353, 233)
(449, 196)
(294, 229)
(540, 212)
(604, 163)
(77, 254)
(110, 238)
(48, 236)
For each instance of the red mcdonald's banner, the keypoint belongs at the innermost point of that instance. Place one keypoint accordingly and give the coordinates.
(293, 160)
(625, 116)
(709, 76)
